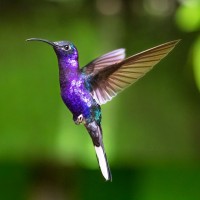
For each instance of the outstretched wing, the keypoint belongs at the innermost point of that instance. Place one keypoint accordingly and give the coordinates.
(107, 81)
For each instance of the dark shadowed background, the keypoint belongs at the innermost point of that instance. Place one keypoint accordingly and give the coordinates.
(151, 130)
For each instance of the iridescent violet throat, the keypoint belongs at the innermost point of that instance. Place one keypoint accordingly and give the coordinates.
(84, 90)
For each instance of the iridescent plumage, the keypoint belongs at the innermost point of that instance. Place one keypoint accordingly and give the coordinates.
(84, 90)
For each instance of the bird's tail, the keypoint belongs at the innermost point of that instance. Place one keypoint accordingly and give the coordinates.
(95, 132)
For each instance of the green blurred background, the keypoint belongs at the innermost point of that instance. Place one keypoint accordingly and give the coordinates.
(151, 130)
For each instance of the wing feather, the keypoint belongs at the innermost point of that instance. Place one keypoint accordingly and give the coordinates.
(107, 80)
(108, 59)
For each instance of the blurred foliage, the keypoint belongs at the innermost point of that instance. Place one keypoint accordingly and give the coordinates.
(151, 130)
(188, 19)
(188, 16)
(196, 61)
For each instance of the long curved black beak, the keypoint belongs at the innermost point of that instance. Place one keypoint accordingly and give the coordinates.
(42, 40)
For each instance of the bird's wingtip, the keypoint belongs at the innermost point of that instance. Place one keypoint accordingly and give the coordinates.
(177, 41)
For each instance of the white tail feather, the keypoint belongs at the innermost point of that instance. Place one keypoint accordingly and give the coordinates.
(102, 161)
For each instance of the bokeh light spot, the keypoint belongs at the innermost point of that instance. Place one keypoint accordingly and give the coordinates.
(196, 61)
(188, 15)
(109, 7)
(159, 7)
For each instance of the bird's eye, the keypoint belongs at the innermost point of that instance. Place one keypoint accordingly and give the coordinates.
(67, 48)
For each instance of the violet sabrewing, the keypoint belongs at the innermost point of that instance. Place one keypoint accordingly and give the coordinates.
(83, 90)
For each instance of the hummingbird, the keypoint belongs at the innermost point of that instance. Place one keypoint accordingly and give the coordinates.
(84, 90)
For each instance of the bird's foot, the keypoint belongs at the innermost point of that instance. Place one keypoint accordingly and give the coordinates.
(80, 119)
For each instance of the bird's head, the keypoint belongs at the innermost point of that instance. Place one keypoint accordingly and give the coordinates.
(63, 49)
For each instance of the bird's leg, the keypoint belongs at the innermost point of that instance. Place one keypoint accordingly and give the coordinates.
(80, 119)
